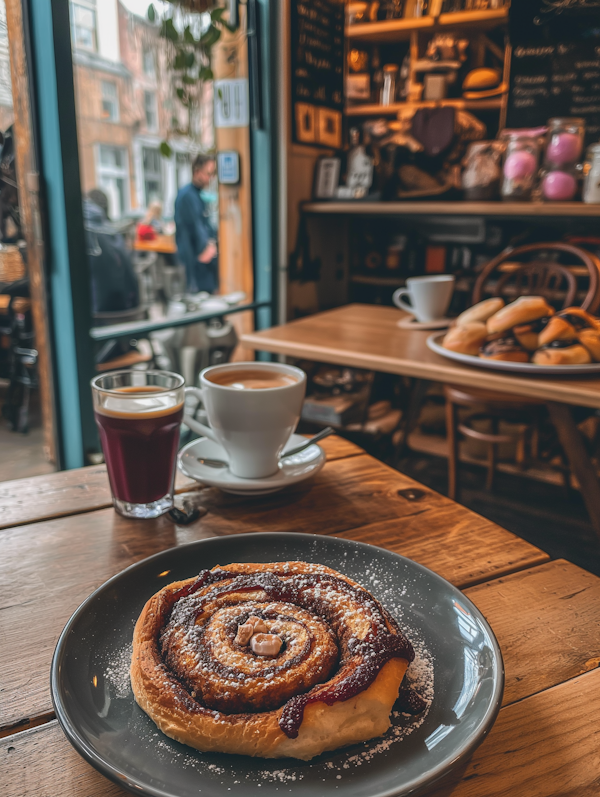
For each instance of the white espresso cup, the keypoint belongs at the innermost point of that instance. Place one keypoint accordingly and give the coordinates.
(253, 409)
(429, 296)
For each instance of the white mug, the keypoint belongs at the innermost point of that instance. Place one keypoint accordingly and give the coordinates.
(252, 425)
(429, 296)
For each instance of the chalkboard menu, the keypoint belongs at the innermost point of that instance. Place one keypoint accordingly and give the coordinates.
(555, 65)
(317, 51)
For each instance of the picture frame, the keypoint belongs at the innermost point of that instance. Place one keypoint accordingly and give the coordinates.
(327, 177)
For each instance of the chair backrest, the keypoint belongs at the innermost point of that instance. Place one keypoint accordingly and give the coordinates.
(541, 275)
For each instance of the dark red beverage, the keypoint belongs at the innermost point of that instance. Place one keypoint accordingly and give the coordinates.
(140, 438)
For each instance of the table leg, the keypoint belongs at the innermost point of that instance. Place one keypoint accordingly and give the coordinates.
(579, 460)
(415, 402)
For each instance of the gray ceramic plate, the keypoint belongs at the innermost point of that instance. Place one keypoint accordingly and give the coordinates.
(458, 664)
(434, 342)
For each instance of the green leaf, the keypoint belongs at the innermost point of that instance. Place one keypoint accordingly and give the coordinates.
(180, 93)
(170, 31)
(217, 13)
(165, 149)
(189, 81)
(179, 60)
(190, 59)
(188, 36)
(210, 37)
(205, 73)
(151, 13)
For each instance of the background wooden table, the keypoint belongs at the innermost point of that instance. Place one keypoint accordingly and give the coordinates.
(62, 540)
(367, 336)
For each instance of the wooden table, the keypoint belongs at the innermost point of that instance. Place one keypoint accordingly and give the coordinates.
(162, 244)
(368, 336)
(61, 540)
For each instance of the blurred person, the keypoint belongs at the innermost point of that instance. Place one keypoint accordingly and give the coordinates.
(194, 233)
(152, 224)
(114, 282)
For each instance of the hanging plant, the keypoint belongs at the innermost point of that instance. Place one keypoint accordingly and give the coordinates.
(191, 35)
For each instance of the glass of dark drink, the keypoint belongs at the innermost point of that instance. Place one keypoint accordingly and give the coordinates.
(139, 415)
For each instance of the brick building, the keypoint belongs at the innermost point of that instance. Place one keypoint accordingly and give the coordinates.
(125, 108)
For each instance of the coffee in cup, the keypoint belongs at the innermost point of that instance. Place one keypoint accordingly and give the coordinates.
(430, 297)
(253, 409)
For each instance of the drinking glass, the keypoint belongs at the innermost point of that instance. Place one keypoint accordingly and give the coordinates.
(139, 414)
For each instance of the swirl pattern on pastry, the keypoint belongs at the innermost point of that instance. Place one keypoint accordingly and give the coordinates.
(200, 680)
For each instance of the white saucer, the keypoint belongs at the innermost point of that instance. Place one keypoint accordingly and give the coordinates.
(411, 323)
(291, 470)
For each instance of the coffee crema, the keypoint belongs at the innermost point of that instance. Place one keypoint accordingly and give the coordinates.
(251, 379)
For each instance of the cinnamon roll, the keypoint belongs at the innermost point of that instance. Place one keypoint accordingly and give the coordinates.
(269, 660)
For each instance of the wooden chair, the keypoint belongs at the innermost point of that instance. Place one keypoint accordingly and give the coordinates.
(506, 276)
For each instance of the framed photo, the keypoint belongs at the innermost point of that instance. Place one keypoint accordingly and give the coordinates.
(327, 177)
(306, 123)
(329, 128)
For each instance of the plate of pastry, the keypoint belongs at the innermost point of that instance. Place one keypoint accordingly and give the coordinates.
(525, 336)
(261, 664)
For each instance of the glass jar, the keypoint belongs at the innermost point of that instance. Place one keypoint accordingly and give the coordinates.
(559, 185)
(482, 170)
(521, 161)
(388, 90)
(591, 174)
(564, 142)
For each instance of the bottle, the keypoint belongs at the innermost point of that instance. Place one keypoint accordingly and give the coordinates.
(359, 166)
(388, 91)
(358, 79)
(377, 77)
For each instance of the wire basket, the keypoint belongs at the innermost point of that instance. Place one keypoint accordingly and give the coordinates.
(12, 267)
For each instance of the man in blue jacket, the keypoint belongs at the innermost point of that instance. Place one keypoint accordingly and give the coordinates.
(195, 235)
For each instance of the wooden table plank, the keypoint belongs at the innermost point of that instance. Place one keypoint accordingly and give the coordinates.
(545, 746)
(42, 763)
(48, 568)
(365, 336)
(85, 489)
(547, 621)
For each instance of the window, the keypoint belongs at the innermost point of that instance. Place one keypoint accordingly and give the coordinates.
(110, 101)
(150, 110)
(83, 24)
(152, 175)
(112, 176)
(183, 169)
(148, 63)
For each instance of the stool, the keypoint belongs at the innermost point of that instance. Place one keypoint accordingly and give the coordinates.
(494, 406)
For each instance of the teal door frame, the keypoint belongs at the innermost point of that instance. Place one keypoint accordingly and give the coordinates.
(60, 190)
(53, 96)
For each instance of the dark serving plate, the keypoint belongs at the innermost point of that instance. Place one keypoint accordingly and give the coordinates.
(458, 669)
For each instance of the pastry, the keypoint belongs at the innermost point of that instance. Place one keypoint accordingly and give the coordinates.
(562, 352)
(481, 311)
(521, 311)
(528, 334)
(507, 348)
(270, 660)
(466, 339)
(579, 318)
(557, 328)
(590, 338)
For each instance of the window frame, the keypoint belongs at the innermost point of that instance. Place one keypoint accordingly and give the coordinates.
(148, 94)
(90, 6)
(114, 172)
(113, 119)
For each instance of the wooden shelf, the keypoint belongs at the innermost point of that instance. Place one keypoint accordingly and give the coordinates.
(392, 110)
(459, 208)
(386, 282)
(400, 29)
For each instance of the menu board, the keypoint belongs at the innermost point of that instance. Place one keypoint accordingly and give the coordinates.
(555, 64)
(550, 80)
(317, 52)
